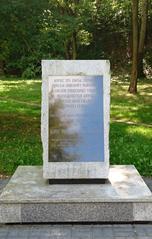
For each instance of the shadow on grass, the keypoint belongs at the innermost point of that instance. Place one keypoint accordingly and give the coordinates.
(131, 145)
(127, 107)
(20, 142)
(24, 90)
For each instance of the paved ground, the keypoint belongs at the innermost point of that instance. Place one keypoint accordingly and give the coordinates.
(73, 231)
(76, 232)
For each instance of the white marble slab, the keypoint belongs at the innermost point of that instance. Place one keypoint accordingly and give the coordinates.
(27, 185)
(75, 170)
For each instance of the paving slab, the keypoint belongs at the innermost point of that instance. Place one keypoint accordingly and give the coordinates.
(62, 231)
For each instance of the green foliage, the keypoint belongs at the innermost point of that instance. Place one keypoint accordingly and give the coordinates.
(130, 128)
(32, 30)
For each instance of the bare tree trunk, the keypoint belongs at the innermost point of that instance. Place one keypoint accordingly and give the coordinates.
(144, 12)
(133, 82)
(74, 46)
(1, 68)
(68, 49)
(71, 48)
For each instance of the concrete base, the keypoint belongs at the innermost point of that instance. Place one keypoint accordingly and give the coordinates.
(30, 198)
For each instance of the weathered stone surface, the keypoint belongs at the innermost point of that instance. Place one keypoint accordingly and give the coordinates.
(142, 211)
(77, 212)
(27, 185)
(29, 198)
(10, 213)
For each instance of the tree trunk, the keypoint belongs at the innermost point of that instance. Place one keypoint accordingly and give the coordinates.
(74, 46)
(71, 47)
(144, 11)
(67, 50)
(1, 68)
(133, 82)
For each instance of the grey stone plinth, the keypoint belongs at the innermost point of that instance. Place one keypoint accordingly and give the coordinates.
(29, 198)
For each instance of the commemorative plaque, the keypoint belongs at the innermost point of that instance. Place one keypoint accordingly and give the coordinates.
(75, 119)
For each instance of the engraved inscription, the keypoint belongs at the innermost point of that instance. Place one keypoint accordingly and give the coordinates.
(76, 119)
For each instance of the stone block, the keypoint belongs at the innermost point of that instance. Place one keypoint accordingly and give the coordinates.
(29, 198)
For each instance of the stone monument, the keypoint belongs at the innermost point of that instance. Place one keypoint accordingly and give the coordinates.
(74, 130)
(75, 119)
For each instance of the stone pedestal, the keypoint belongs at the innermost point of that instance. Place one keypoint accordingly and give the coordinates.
(30, 198)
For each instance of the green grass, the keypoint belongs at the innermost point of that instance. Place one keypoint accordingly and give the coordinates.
(130, 129)
(20, 142)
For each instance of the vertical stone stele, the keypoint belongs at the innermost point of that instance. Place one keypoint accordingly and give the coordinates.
(75, 119)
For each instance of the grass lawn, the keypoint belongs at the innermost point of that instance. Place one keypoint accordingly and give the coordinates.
(130, 129)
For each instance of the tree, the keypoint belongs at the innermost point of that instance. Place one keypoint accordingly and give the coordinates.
(138, 42)
(68, 19)
(144, 11)
(71, 29)
(133, 81)
(20, 35)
